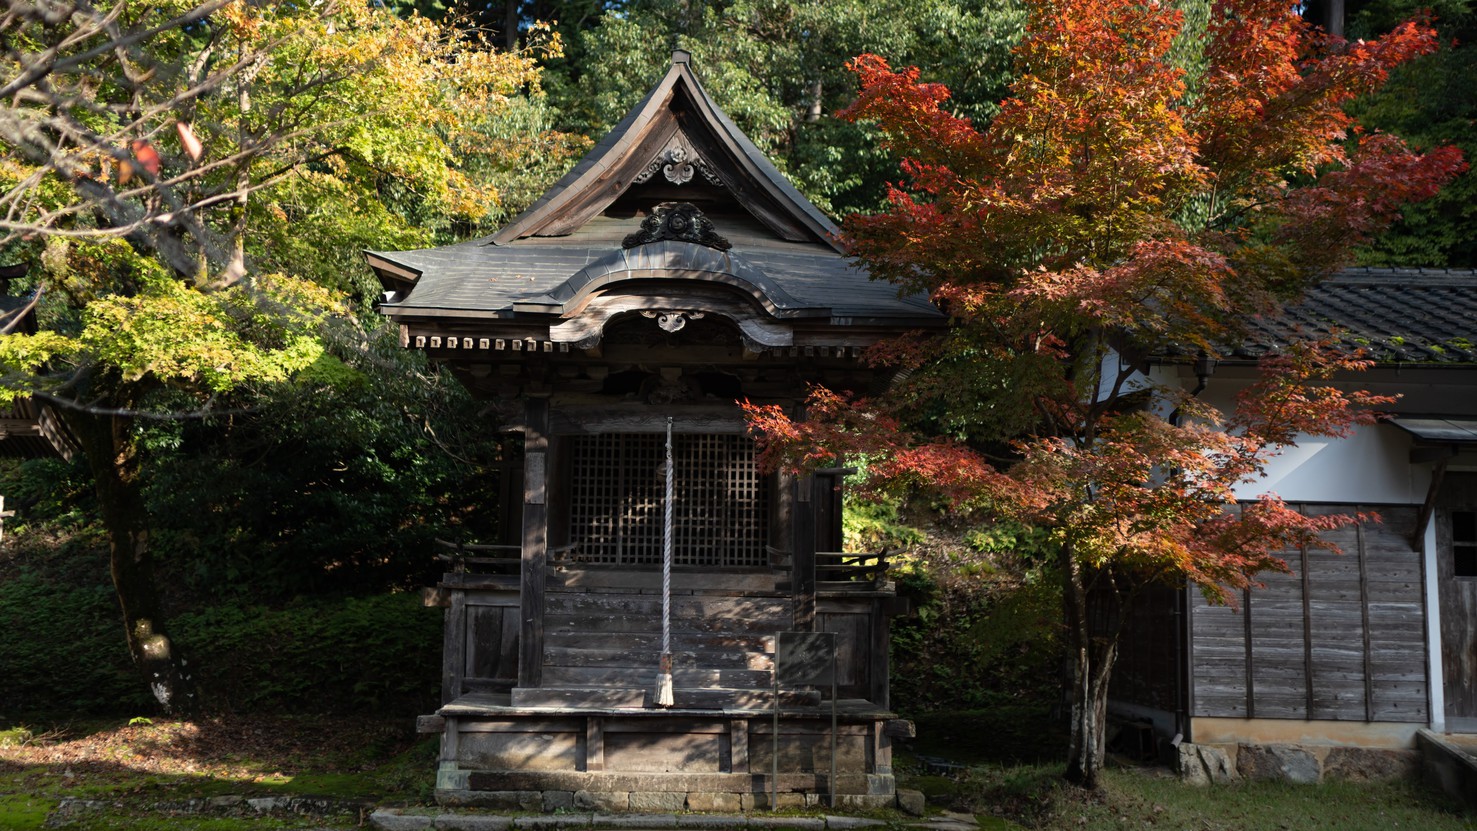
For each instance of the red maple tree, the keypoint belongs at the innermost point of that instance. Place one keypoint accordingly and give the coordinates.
(1125, 203)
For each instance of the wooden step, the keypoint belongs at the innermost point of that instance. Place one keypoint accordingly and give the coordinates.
(599, 626)
(643, 677)
(742, 699)
(573, 656)
(588, 697)
(689, 699)
(652, 641)
(650, 605)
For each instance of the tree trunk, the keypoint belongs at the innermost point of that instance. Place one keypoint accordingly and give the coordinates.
(1093, 655)
(112, 454)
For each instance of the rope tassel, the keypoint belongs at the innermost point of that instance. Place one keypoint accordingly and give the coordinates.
(664, 697)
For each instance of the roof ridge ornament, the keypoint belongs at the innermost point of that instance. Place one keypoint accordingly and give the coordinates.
(678, 222)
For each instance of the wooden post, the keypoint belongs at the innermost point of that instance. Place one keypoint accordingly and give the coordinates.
(595, 744)
(738, 744)
(454, 647)
(803, 523)
(878, 669)
(535, 541)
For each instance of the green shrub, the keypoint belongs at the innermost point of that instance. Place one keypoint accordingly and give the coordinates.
(63, 653)
(323, 655)
(63, 650)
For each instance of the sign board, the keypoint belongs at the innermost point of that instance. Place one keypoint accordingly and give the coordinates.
(804, 658)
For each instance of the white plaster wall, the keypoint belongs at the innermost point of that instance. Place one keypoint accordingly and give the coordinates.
(1372, 466)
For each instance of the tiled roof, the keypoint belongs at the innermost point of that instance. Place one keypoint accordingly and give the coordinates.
(1396, 315)
(479, 279)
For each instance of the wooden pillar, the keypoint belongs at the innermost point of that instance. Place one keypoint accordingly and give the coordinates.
(535, 541)
(878, 669)
(454, 647)
(594, 744)
(738, 745)
(803, 526)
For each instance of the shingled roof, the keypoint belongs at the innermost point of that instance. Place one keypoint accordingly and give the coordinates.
(676, 146)
(1396, 315)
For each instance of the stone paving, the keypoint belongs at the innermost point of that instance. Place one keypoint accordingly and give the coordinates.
(389, 819)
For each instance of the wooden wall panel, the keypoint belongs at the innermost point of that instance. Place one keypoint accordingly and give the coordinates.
(1340, 638)
(612, 638)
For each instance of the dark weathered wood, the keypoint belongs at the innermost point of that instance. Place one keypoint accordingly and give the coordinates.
(1363, 554)
(1308, 704)
(429, 724)
(804, 554)
(595, 744)
(583, 576)
(878, 669)
(535, 541)
(1457, 603)
(640, 418)
(1337, 640)
(1250, 661)
(453, 649)
(738, 746)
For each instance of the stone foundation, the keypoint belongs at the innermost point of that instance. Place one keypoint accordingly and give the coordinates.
(1206, 764)
(654, 802)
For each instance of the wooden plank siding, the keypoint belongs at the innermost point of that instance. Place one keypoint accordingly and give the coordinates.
(1341, 637)
(611, 637)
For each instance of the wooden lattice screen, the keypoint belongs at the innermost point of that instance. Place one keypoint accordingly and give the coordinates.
(615, 508)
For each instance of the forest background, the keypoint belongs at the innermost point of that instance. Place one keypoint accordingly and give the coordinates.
(292, 523)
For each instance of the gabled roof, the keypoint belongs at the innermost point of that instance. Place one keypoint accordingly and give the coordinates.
(676, 108)
(676, 153)
(1395, 315)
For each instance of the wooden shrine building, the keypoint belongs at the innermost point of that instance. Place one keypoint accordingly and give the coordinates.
(671, 273)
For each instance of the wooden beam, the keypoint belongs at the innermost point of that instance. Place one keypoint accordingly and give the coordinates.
(1438, 472)
(535, 553)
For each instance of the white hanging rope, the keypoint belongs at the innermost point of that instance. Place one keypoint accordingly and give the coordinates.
(664, 697)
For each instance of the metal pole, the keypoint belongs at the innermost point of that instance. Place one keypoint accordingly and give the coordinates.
(774, 757)
(832, 783)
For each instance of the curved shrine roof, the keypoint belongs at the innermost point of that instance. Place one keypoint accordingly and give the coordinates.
(675, 147)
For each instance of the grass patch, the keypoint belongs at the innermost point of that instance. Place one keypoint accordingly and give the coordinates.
(1010, 762)
(20, 812)
(140, 770)
(1035, 797)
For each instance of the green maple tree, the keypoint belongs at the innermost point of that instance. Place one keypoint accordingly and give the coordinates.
(160, 165)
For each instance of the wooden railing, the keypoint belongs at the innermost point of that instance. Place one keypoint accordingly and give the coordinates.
(851, 567)
(474, 558)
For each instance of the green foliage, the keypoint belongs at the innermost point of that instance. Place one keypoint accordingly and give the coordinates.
(318, 655)
(776, 67)
(337, 482)
(986, 627)
(1429, 102)
(875, 525)
(63, 655)
(62, 651)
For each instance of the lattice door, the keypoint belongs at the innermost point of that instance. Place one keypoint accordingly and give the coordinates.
(615, 512)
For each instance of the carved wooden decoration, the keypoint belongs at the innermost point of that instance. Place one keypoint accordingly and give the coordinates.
(678, 163)
(679, 222)
(671, 320)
